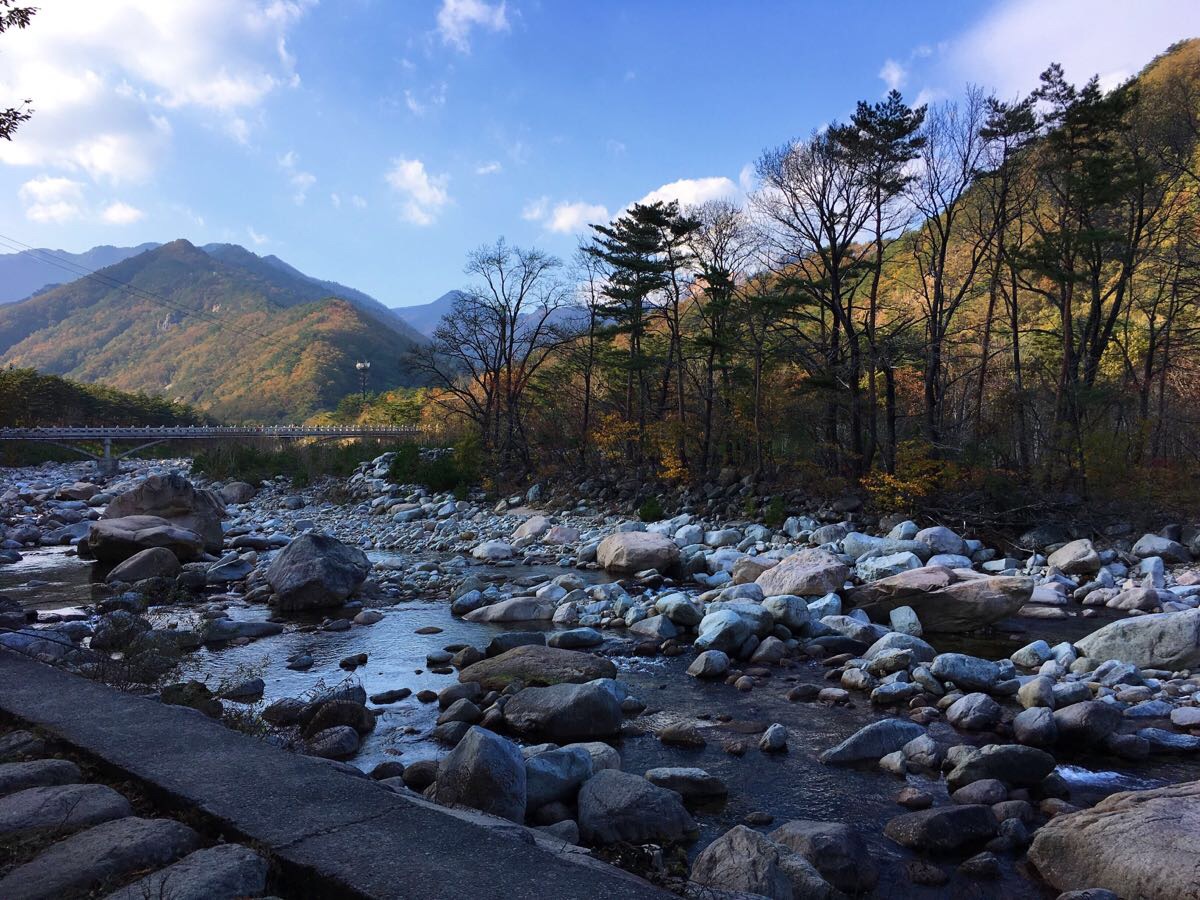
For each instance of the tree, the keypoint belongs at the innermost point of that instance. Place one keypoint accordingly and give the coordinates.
(14, 17)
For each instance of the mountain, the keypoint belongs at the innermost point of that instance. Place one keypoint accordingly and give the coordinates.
(231, 333)
(425, 316)
(24, 273)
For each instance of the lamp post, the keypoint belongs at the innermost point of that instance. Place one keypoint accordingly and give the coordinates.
(363, 369)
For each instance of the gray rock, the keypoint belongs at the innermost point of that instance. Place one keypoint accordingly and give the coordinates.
(566, 711)
(173, 498)
(806, 573)
(556, 775)
(945, 600)
(1035, 727)
(59, 809)
(744, 863)
(17, 776)
(873, 741)
(99, 855)
(154, 562)
(774, 739)
(970, 673)
(1162, 641)
(690, 783)
(1167, 550)
(315, 571)
(534, 664)
(576, 639)
(1087, 723)
(974, 712)
(835, 850)
(635, 551)
(942, 829)
(116, 540)
(709, 664)
(1014, 765)
(1075, 558)
(223, 872)
(616, 806)
(486, 772)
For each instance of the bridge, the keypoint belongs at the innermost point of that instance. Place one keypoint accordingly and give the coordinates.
(148, 435)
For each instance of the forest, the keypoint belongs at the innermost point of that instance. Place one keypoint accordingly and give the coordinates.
(980, 296)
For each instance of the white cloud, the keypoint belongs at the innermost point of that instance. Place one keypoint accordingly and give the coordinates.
(693, 191)
(300, 180)
(50, 200)
(121, 213)
(423, 194)
(104, 75)
(257, 239)
(456, 18)
(492, 167)
(535, 210)
(358, 202)
(336, 201)
(415, 106)
(893, 75)
(1008, 48)
(568, 218)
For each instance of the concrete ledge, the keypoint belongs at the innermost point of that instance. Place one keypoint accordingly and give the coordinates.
(331, 833)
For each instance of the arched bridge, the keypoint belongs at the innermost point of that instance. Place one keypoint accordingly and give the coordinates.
(144, 436)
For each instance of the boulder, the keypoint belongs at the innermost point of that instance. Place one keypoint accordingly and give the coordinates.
(174, 498)
(566, 711)
(556, 775)
(1135, 844)
(747, 569)
(873, 741)
(835, 850)
(1087, 723)
(974, 712)
(1161, 641)
(943, 829)
(532, 528)
(315, 571)
(940, 539)
(516, 609)
(807, 573)
(58, 808)
(709, 664)
(723, 630)
(1016, 766)
(536, 664)
(486, 772)
(945, 600)
(744, 863)
(970, 673)
(215, 873)
(616, 807)
(1164, 548)
(628, 552)
(689, 783)
(790, 611)
(238, 492)
(113, 541)
(155, 562)
(492, 551)
(1076, 558)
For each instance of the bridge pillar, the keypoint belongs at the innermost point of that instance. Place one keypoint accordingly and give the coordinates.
(108, 465)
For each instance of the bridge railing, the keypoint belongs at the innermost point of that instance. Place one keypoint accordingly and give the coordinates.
(203, 431)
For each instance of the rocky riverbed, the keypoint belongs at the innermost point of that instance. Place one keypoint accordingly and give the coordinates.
(690, 698)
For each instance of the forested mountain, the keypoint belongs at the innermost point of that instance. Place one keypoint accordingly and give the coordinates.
(237, 337)
(424, 317)
(29, 271)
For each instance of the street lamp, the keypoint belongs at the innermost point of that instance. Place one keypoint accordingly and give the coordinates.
(363, 369)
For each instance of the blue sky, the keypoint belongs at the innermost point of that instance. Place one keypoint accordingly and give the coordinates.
(375, 142)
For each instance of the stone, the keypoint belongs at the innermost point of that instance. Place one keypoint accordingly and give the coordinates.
(516, 609)
(1031, 656)
(533, 528)
(872, 568)
(989, 791)
(566, 711)
(173, 498)
(709, 664)
(315, 571)
(1167, 550)
(113, 541)
(102, 854)
(838, 852)
(945, 600)
(691, 784)
(658, 628)
(1161, 641)
(1012, 764)
(534, 665)
(616, 806)
(338, 742)
(871, 742)
(154, 562)
(920, 650)
(223, 872)
(974, 712)
(1087, 723)
(774, 739)
(486, 772)
(789, 611)
(724, 630)
(1038, 691)
(59, 809)
(576, 639)
(940, 539)
(626, 553)
(492, 551)
(806, 573)
(238, 492)
(1135, 844)
(1035, 727)
(556, 775)
(942, 829)
(904, 620)
(680, 610)
(744, 863)
(969, 673)
(17, 776)
(1075, 558)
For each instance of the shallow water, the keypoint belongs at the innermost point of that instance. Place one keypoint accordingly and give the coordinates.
(793, 785)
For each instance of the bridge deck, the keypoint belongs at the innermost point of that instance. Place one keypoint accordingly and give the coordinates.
(202, 432)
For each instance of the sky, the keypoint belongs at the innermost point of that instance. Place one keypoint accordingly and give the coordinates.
(376, 142)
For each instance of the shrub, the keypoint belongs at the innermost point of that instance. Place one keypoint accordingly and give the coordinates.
(776, 512)
(651, 510)
(457, 471)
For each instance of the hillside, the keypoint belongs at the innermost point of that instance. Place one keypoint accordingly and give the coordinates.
(24, 273)
(239, 344)
(424, 317)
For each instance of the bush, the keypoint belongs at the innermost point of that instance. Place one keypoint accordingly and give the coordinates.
(457, 471)
(651, 510)
(300, 463)
(776, 512)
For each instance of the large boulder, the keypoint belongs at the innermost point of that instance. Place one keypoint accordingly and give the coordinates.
(238, 492)
(1162, 641)
(316, 570)
(873, 741)
(537, 664)
(566, 712)
(1076, 558)
(744, 863)
(943, 829)
(807, 573)
(516, 609)
(1156, 545)
(174, 498)
(486, 772)
(837, 851)
(1135, 844)
(627, 552)
(620, 807)
(945, 600)
(113, 541)
(1016, 766)
(153, 562)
